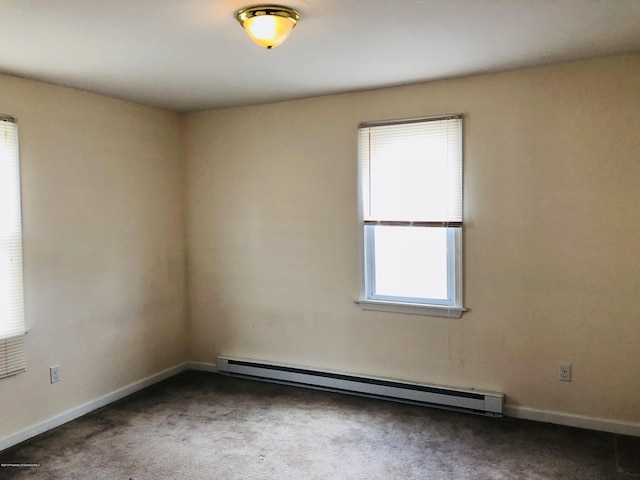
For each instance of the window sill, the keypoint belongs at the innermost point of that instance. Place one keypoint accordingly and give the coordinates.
(411, 308)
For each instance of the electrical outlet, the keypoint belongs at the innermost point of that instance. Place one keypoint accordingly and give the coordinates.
(54, 373)
(564, 372)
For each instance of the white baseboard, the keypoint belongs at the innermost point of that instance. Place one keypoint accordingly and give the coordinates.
(202, 366)
(570, 420)
(85, 408)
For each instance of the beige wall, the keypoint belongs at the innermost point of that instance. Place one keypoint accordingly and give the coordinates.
(550, 245)
(103, 247)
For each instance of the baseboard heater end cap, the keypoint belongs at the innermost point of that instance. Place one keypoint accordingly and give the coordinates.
(222, 364)
(494, 403)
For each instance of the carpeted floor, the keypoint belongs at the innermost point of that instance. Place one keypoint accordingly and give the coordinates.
(204, 426)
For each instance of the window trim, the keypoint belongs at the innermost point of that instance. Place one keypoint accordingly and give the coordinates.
(410, 308)
(367, 300)
(452, 300)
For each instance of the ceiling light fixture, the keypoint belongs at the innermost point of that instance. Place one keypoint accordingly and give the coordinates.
(268, 25)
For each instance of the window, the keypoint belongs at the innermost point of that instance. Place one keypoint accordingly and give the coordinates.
(12, 325)
(410, 179)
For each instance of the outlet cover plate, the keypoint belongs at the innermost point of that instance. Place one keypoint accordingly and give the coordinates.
(564, 372)
(54, 373)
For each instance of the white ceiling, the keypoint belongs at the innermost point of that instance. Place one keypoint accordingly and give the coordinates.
(190, 55)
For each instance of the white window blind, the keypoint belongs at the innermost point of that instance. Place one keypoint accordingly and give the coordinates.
(411, 172)
(12, 323)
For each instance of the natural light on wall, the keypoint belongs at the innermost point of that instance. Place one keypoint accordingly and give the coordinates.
(12, 324)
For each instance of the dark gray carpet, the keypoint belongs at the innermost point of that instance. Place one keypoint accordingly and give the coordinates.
(204, 426)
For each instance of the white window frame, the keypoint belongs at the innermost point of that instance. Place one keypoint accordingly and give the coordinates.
(450, 307)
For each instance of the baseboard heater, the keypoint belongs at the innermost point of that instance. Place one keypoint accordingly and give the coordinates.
(485, 403)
